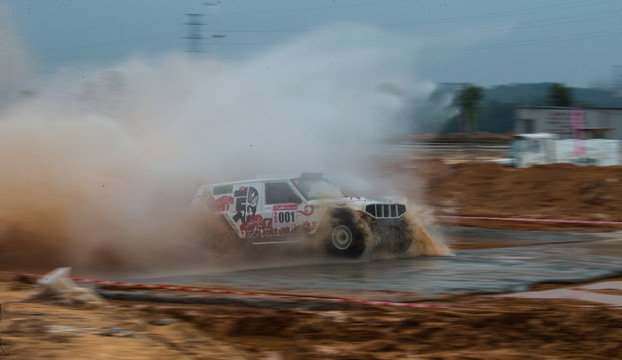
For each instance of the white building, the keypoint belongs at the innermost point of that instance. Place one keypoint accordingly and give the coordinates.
(568, 123)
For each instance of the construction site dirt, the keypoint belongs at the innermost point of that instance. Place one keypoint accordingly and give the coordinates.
(449, 307)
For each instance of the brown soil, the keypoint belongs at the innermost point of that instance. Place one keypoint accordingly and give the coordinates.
(469, 328)
(476, 137)
(486, 189)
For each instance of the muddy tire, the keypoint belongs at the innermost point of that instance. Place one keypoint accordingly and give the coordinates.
(346, 237)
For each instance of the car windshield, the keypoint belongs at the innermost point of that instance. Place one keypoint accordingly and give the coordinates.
(316, 188)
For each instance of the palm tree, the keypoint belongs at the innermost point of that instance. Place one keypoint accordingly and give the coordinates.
(560, 95)
(468, 101)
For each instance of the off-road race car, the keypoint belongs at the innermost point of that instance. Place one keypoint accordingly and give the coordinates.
(275, 210)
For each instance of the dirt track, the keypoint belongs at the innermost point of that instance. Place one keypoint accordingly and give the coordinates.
(473, 327)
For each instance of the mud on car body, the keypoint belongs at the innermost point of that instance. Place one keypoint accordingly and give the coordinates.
(274, 209)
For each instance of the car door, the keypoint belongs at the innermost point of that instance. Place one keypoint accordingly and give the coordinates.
(245, 211)
(282, 203)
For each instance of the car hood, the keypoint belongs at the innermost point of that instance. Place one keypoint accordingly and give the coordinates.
(356, 202)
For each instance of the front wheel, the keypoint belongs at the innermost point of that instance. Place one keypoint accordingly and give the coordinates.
(346, 236)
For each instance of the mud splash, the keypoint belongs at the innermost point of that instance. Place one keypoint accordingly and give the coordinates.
(425, 242)
(99, 165)
(225, 250)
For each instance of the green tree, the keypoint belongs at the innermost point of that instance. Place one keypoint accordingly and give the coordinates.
(560, 95)
(468, 101)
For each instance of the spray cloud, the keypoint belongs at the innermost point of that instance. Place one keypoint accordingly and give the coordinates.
(99, 165)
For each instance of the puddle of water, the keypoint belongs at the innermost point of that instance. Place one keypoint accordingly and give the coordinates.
(578, 293)
(494, 270)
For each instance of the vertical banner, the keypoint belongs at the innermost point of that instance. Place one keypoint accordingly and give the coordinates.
(576, 120)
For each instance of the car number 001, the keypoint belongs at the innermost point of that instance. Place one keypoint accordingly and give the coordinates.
(284, 218)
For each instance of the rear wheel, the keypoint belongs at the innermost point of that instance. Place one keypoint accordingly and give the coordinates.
(347, 236)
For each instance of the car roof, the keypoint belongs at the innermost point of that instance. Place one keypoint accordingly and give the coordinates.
(265, 178)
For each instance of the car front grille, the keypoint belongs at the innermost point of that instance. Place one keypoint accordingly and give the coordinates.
(386, 211)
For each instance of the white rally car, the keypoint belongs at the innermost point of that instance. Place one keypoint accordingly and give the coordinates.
(274, 210)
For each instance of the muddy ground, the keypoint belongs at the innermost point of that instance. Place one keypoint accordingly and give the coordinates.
(471, 327)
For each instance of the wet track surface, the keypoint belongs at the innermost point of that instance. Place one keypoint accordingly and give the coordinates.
(509, 261)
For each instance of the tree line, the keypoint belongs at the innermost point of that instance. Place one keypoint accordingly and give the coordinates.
(493, 110)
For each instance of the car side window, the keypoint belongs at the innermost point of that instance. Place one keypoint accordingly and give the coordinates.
(280, 193)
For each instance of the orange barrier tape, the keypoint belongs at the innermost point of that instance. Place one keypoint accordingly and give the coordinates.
(551, 221)
(245, 293)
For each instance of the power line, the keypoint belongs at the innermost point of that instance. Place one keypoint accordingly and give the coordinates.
(476, 17)
(358, 4)
(540, 41)
(196, 28)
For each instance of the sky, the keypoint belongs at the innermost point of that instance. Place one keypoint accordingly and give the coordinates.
(484, 42)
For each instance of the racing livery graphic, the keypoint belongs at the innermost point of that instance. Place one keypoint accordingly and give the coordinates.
(272, 210)
(245, 204)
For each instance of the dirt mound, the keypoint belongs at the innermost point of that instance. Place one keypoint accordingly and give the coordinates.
(475, 137)
(487, 189)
